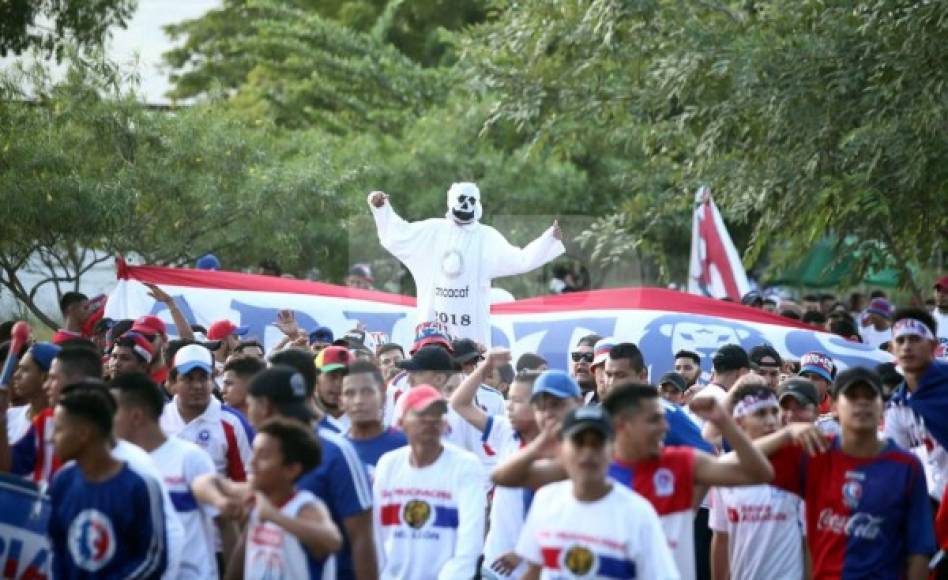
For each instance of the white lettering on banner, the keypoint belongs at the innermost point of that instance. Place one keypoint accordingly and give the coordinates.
(550, 333)
(858, 525)
(23, 554)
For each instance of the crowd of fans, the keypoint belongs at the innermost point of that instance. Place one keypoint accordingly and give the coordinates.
(206, 455)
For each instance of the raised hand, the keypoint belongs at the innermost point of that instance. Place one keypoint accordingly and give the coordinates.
(286, 322)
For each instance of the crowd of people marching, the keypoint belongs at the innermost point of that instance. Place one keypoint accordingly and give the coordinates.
(207, 455)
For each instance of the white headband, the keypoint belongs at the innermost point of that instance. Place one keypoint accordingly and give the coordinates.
(912, 327)
(751, 404)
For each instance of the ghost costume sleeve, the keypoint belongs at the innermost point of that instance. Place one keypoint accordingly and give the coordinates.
(505, 259)
(410, 242)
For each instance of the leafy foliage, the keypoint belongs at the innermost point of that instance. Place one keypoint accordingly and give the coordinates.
(51, 26)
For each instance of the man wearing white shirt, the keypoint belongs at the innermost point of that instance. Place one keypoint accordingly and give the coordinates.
(195, 416)
(140, 404)
(504, 435)
(589, 526)
(758, 529)
(429, 502)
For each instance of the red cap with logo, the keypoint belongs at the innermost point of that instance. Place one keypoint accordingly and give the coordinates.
(150, 325)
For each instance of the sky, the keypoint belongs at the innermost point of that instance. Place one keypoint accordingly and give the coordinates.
(144, 41)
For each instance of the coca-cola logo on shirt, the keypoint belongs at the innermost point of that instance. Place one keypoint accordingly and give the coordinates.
(858, 525)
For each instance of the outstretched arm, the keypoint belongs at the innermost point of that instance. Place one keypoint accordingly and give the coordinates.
(751, 467)
(531, 466)
(407, 241)
(509, 260)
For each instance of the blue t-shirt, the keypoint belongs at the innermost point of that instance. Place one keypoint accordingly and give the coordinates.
(370, 450)
(342, 483)
(109, 529)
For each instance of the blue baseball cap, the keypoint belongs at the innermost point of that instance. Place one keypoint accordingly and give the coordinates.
(321, 334)
(556, 383)
(43, 354)
(208, 262)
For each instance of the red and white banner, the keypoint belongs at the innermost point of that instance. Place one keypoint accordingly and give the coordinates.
(660, 321)
(716, 269)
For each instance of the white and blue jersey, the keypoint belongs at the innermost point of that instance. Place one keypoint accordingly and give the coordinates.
(342, 483)
(110, 529)
(221, 431)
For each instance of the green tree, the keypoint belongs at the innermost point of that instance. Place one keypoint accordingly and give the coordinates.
(51, 26)
(88, 171)
(805, 118)
(299, 69)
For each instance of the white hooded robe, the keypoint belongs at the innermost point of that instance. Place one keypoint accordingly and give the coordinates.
(453, 266)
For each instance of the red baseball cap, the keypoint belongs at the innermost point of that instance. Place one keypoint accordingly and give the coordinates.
(224, 328)
(418, 399)
(333, 358)
(150, 325)
(942, 283)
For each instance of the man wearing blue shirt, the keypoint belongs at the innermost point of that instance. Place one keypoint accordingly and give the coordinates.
(362, 399)
(107, 519)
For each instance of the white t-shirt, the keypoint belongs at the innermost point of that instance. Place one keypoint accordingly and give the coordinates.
(272, 552)
(453, 266)
(618, 536)
(429, 521)
(942, 321)
(180, 463)
(18, 422)
(873, 337)
(508, 510)
(139, 460)
(764, 525)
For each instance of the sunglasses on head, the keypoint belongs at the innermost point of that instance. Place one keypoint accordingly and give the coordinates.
(582, 356)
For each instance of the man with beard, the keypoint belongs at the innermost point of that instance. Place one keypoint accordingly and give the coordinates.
(688, 365)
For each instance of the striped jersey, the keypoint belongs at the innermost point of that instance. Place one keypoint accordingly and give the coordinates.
(864, 515)
(220, 431)
(668, 483)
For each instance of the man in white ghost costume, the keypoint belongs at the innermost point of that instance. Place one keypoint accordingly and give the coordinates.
(453, 259)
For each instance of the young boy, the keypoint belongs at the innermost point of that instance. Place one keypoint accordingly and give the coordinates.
(758, 529)
(288, 529)
(590, 526)
(107, 519)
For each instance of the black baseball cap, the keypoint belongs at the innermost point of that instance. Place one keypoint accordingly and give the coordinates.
(285, 387)
(580, 419)
(675, 379)
(429, 358)
(856, 376)
(353, 340)
(730, 357)
(465, 350)
(800, 389)
(752, 298)
(759, 353)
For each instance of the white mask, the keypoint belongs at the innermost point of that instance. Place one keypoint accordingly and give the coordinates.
(464, 203)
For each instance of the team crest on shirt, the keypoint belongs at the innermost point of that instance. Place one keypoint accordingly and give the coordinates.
(416, 513)
(91, 540)
(204, 436)
(852, 493)
(579, 560)
(664, 482)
